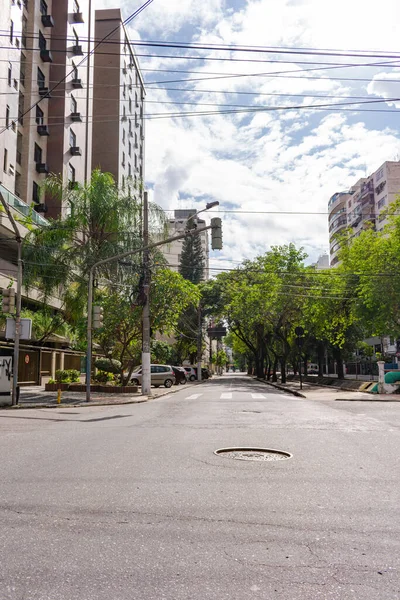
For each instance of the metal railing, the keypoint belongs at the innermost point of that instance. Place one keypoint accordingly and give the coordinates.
(22, 207)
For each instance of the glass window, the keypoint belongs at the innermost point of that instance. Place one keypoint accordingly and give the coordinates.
(123, 159)
(11, 32)
(130, 106)
(129, 170)
(35, 192)
(74, 71)
(123, 136)
(41, 79)
(74, 105)
(5, 159)
(379, 174)
(39, 116)
(72, 138)
(42, 41)
(37, 155)
(43, 7)
(71, 173)
(7, 116)
(9, 76)
(129, 148)
(76, 38)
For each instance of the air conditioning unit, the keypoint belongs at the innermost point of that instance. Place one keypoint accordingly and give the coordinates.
(44, 92)
(41, 208)
(75, 151)
(43, 130)
(46, 56)
(78, 17)
(77, 50)
(42, 168)
(47, 21)
(76, 117)
(77, 83)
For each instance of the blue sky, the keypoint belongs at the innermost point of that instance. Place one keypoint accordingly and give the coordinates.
(281, 160)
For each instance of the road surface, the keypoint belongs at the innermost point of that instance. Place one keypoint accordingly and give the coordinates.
(130, 502)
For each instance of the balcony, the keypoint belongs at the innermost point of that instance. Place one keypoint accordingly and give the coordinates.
(333, 216)
(75, 151)
(42, 168)
(20, 206)
(44, 92)
(41, 208)
(335, 199)
(46, 56)
(47, 21)
(43, 130)
(77, 83)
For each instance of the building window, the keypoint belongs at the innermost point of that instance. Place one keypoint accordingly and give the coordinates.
(71, 173)
(21, 102)
(123, 159)
(136, 142)
(135, 161)
(379, 175)
(7, 116)
(9, 75)
(124, 90)
(37, 155)
(72, 139)
(74, 71)
(43, 7)
(130, 106)
(11, 32)
(136, 100)
(76, 37)
(123, 136)
(5, 160)
(42, 41)
(41, 79)
(39, 116)
(75, 6)
(123, 181)
(35, 192)
(129, 170)
(22, 69)
(74, 105)
(382, 202)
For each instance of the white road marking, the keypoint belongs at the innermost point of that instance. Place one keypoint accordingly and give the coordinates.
(226, 396)
(258, 396)
(194, 397)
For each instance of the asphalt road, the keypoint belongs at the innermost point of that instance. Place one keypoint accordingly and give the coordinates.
(130, 502)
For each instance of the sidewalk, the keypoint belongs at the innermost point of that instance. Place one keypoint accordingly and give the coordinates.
(36, 397)
(315, 392)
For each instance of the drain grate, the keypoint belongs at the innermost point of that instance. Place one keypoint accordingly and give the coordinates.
(256, 454)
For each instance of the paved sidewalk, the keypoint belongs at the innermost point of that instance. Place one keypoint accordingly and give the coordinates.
(36, 397)
(315, 392)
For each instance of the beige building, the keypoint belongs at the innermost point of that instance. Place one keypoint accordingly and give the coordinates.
(363, 205)
(172, 252)
(118, 102)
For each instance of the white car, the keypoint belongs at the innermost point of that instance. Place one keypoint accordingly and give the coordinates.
(191, 373)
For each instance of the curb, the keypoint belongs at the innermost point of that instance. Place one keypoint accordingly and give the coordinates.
(282, 388)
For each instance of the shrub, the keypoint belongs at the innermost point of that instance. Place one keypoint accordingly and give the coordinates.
(74, 375)
(51, 380)
(109, 365)
(67, 376)
(103, 377)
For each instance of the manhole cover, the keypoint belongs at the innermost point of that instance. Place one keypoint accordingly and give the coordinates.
(257, 454)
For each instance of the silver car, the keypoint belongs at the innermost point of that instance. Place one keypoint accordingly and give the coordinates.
(160, 375)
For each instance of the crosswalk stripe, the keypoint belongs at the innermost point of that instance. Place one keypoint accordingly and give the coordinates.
(194, 396)
(226, 396)
(258, 396)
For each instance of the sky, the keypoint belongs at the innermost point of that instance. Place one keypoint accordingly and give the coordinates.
(289, 159)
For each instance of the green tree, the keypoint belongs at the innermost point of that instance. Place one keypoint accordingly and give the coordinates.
(191, 261)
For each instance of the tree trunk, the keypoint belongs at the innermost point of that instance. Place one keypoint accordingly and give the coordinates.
(274, 368)
(321, 356)
(305, 361)
(283, 370)
(339, 363)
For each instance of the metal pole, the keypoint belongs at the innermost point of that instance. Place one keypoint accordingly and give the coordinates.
(89, 335)
(146, 374)
(301, 379)
(18, 302)
(199, 344)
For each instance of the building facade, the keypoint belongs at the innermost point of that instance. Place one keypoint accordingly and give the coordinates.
(172, 252)
(118, 102)
(363, 206)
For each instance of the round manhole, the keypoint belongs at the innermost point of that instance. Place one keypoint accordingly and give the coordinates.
(257, 454)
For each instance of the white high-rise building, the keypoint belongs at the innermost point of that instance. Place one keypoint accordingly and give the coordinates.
(172, 252)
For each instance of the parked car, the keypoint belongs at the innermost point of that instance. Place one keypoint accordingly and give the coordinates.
(191, 373)
(180, 375)
(160, 375)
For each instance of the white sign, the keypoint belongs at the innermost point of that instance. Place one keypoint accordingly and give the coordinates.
(6, 363)
(25, 329)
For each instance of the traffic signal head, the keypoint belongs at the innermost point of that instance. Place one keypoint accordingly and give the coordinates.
(8, 303)
(97, 317)
(216, 233)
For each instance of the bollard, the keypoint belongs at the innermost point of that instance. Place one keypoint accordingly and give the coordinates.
(58, 396)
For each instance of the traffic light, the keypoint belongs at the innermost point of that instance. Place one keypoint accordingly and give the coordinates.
(97, 317)
(8, 304)
(216, 233)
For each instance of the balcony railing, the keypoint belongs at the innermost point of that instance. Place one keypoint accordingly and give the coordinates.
(21, 206)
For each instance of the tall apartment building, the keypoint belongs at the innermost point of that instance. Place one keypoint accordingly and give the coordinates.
(362, 206)
(172, 252)
(118, 102)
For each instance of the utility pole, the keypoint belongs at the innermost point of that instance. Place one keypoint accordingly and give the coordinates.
(199, 344)
(146, 374)
(18, 299)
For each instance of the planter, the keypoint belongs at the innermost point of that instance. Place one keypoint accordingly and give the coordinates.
(54, 387)
(81, 387)
(118, 389)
